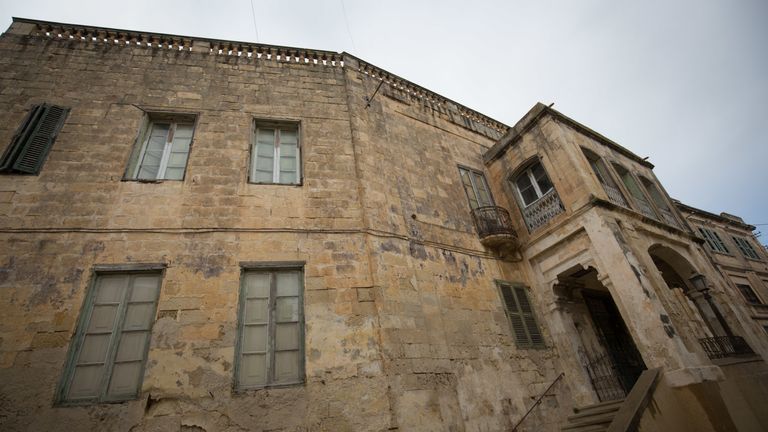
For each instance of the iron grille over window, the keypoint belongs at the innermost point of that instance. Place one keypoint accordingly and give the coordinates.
(34, 139)
(725, 346)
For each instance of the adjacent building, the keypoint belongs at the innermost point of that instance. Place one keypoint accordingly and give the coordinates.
(218, 235)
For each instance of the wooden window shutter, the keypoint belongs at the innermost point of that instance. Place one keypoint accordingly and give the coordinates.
(34, 139)
(513, 310)
(529, 320)
(521, 316)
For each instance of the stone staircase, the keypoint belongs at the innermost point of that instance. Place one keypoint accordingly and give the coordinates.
(593, 418)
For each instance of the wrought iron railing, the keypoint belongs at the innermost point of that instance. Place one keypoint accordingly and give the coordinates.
(538, 401)
(605, 378)
(725, 346)
(492, 220)
(615, 195)
(543, 210)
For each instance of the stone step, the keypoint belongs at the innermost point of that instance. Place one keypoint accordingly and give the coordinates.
(588, 429)
(601, 420)
(594, 411)
(598, 406)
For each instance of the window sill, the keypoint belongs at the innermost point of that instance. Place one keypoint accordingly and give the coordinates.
(150, 181)
(754, 259)
(89, 402)
(532, 347)
(246, 390)
(275, 184)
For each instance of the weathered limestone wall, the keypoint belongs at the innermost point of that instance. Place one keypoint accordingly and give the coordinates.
(78, 213)
(736, 268)
(447, 343)
(404, 325)
(616, 242)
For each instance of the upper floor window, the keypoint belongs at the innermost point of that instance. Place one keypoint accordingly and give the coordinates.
(476, 187)
(659, 200)
(110, 347)
(745, 247)
(538, 198)
(749, 294)
(605, 178)
(634, 189)
(162, 149)
(532, 184)
(275, 153)
(33, 139)
(713, 240)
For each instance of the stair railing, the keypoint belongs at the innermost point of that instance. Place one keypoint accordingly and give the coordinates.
(538, 401)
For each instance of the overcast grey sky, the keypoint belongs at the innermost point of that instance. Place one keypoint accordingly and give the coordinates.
(683, 82)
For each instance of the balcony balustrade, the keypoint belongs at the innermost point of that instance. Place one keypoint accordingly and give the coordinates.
(615, 195)
(543, 210)
(494, 226)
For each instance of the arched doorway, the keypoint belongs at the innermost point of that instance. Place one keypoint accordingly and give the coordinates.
(677, 272)
(607, 350)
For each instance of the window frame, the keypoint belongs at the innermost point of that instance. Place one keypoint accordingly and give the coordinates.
(713, 240)
(607, 178)
(641, 197)
(78, 336)
(742, 288)
(655, 194)
(173, 119)
(745, 247)
(270, 268)
(472, 171)
(513, 287)
(278, 125)
(527, 170)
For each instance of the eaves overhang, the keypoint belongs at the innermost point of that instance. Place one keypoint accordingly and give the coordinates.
(539, 112)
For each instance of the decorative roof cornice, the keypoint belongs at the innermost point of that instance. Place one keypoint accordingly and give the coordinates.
(467, 117)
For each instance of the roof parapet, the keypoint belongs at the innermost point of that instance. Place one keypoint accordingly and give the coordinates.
(488, 126)
(178, 43)
(460, 114)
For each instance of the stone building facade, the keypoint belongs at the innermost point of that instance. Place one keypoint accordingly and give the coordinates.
(215, 235)
(740, 258)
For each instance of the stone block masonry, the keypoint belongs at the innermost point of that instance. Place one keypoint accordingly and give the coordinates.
(403, 325)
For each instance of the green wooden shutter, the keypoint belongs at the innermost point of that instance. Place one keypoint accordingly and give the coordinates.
(36, 142)
(534, 335)
(21, 136)
(513, 311)
(520, 312)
